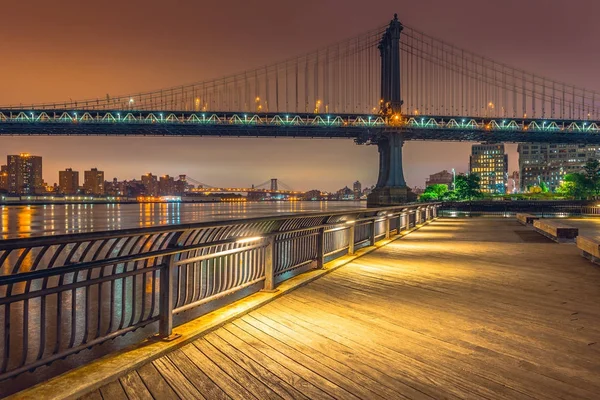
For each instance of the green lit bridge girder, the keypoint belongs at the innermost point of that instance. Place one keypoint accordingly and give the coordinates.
(363, 128)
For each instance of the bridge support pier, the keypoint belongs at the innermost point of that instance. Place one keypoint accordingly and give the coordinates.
(391, 187)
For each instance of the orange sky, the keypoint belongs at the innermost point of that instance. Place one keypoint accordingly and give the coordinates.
(52, 51)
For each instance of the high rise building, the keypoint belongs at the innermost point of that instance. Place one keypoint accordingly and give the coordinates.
(4, 178)
(548, 163)
(93, 182)
(345, 194)
(440, 178)
(24, 174)
(181, 185)
(68, 181)
(150, 184)
(166, 185)
(490, 163)
(357, 190)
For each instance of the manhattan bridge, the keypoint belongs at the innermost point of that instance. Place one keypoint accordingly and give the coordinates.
(390, 84)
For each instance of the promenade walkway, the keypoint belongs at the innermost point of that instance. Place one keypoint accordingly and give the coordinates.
(463, 308)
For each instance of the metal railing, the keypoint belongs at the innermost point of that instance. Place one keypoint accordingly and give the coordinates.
(543, 208)
(63, 294)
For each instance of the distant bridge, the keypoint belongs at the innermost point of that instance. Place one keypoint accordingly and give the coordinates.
(272, 186)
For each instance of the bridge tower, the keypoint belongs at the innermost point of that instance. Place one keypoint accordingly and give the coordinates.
(274, 184)
(391, 187)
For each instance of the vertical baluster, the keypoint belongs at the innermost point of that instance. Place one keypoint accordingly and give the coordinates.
(372, 233)
(321, 248)
(165, 325)
(351, 232)
(387, 227)
(270, 265)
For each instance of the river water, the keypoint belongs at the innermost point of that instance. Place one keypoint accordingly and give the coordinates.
(44, 220)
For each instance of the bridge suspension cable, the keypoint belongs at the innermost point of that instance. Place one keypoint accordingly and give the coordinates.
(340, 78)
(437, 79)
(198, 184)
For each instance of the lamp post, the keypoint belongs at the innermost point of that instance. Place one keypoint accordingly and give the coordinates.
(453, 179)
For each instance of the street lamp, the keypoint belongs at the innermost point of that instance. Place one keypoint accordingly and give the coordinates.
(453, 179)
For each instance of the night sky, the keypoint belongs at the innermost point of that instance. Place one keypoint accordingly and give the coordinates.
(52, 51)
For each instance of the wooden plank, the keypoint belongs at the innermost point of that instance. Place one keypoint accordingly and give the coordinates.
(113, 391)
(294, 380)
(476, 347)
(527, 329)
(183, 387)
(155, 383)
(421, 363)
(374, 381)
(407, 376)
(224, 381)
(231, 373)
(95, 395)
(280, 386)
(333, 376)
(419, 354)
(294, 374)
(134, 387)
(354, 356)
(196, 376)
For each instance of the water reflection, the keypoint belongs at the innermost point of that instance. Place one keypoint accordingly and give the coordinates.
(45, 220)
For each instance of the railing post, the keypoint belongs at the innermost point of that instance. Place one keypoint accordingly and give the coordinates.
(165, 325)
(270, 265)
(400, 223)
(372, 234)
(321, 248)
(351, 239)
(387, 227)
(166, 295)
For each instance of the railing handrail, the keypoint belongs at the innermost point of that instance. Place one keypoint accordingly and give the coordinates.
(78, 290)
(77, 267)
(96, 235)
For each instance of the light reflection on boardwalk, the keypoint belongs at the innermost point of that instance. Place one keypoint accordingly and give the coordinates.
(463, 308)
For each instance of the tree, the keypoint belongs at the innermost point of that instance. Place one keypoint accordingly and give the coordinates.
(468, 187)
(575, 185)
(428, 196)
(544, 187)
(434, 192)
(591, 171)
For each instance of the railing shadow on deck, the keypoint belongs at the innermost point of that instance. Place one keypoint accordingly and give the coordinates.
(64, 294)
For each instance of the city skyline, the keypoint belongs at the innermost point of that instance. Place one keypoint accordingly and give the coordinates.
(336, 178)
(20, 170)
(98, 65)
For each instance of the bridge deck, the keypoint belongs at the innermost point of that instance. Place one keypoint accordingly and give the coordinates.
(480, 308)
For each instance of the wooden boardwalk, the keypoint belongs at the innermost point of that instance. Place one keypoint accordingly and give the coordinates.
(480, 309)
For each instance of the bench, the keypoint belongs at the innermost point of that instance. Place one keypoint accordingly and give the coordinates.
(555, 230)
(526, 219)
(590, 248)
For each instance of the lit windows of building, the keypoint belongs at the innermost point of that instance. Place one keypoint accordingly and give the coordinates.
(68, 181)
(552, 162)
(93, 182)
(357, 187)
(150, 183)
(4, 178)
(490, 163)
(166, 185)
(24, 174)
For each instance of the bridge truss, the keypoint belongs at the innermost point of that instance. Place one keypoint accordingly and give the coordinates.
(342, 90)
